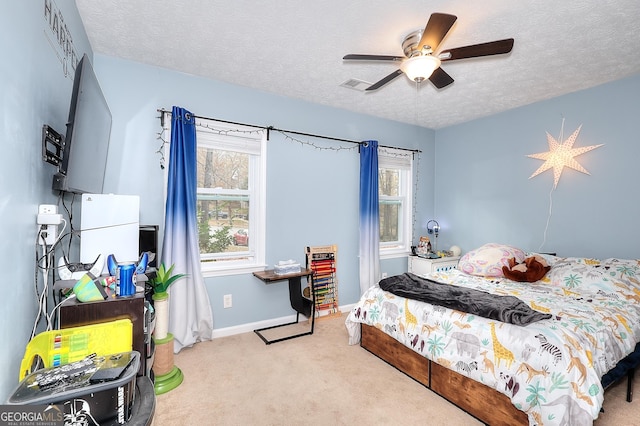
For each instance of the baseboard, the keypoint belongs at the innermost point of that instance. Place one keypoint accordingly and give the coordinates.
(249, 327)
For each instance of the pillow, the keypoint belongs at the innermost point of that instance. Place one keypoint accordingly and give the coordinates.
(624, 270)
(488, 260)
(551, 259)
(574, 273)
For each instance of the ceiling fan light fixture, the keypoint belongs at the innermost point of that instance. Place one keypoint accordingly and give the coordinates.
(420, 62)
(420, 68)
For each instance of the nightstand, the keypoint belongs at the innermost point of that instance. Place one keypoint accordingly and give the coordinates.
(420, 265)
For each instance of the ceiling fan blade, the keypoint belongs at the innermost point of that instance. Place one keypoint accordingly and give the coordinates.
(497, 47)
(387, 79)
(373, 57)
(436, 29)
(440, 78)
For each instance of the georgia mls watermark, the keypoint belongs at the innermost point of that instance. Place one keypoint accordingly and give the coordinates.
(31, 415)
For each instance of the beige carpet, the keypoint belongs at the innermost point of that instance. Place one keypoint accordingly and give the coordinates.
(315, 380)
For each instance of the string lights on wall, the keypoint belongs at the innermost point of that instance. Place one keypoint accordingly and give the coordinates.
(201, 122)
(209, 124)
(161, 148)
(289, 138)
(415, 195)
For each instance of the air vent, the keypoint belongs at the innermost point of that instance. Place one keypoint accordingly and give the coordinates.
(356, 84)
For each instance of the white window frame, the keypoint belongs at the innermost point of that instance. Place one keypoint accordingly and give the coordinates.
(249, 140)
(401, 160)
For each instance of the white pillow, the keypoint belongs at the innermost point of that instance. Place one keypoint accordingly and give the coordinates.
(572, 273)
(488, 260)
(592, 274)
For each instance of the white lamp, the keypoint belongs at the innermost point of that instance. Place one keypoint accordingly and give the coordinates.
(419, 68)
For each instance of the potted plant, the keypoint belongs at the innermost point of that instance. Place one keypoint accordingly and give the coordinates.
(167, 375)
(160, 284)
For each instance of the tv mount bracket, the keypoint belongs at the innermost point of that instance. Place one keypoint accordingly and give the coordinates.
(52, 145)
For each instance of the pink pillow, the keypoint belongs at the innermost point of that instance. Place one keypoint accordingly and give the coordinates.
(488, 260)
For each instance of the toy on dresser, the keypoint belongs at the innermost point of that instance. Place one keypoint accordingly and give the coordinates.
(424, 246)
(126, 273)
(75, 271)
(91, 286)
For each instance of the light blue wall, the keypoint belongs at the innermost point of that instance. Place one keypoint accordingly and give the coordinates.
(36, 85)
(35, 91)
(483, 193)
(479, 182)
(312, 195)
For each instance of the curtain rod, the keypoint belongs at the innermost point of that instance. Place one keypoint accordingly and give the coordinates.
(268, 128)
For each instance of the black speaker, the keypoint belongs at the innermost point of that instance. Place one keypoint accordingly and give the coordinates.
(149, 242)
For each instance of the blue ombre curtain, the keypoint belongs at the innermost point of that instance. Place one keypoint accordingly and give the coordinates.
(369, 216)
(190, 318)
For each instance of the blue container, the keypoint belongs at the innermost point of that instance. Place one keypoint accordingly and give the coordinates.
(126, 279)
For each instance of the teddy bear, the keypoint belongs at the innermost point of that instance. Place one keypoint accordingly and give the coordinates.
(532, 269)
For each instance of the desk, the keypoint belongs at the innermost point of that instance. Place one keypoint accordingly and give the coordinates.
(299, 303)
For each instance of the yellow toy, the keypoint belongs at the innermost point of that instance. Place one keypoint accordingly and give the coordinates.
(59, 347)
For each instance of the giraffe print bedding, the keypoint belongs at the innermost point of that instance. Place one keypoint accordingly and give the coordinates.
(550, 369)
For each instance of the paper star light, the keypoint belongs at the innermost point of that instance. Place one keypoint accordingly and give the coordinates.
(561, 155)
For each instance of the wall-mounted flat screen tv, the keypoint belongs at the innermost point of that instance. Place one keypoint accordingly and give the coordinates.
(86, 144)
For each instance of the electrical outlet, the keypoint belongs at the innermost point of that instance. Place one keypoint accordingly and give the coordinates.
(50, 233)
(48, 219)
(47, 209)
(227, 301)
(384, 275)
(48, 215)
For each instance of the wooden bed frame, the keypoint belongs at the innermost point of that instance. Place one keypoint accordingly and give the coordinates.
(486, 404)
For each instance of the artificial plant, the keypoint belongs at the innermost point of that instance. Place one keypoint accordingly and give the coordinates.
(164, 279)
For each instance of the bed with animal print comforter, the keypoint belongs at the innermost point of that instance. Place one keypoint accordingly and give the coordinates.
(550, 369)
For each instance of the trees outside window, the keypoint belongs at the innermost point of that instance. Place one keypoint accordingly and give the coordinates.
(395, 201)
(231, 176)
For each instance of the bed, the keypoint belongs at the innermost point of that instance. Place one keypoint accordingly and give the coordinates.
(545, 372)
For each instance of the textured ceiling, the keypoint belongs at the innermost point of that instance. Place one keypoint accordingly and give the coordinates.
(294, 48)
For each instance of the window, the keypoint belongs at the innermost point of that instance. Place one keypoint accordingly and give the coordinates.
(231, 180)
(395, 173)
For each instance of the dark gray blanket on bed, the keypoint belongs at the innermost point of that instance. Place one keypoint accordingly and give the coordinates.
(508, 309)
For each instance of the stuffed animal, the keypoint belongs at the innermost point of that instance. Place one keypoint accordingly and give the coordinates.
(532, 269)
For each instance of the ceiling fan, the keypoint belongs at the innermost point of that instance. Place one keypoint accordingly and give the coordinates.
(420, 61)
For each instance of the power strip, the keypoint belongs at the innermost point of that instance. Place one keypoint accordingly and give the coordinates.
(48, 218)
(50, 233)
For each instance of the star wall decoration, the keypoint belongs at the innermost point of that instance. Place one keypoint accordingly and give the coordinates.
(561, 155)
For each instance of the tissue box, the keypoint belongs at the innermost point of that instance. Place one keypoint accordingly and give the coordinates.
(286, 267)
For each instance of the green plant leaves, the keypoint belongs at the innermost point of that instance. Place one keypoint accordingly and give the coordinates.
(164, 279)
